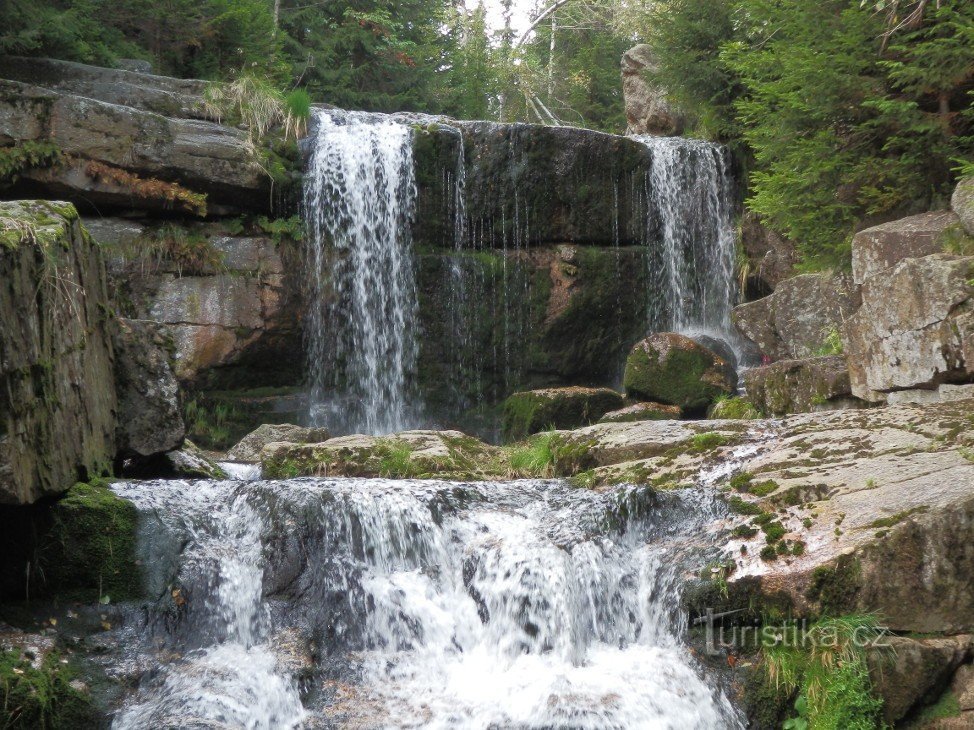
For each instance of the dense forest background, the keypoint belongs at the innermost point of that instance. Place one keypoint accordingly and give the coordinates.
(842, 111)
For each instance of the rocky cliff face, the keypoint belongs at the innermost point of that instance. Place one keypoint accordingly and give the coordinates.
(57, 397)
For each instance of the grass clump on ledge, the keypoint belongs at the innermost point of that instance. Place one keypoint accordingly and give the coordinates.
(826, 665)
(733, 408)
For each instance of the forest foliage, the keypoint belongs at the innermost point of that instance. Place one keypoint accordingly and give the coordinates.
(841, 111)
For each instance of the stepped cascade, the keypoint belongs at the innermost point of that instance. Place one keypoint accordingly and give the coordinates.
(365, 328)
(423, 604)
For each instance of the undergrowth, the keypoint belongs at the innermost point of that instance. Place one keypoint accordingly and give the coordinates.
(149, 188)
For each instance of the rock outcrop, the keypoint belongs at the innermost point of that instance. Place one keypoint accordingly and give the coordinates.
(647, 109)
(57, 398)
(915, 328)
(116, 147)
(799, 386)
(150, 420)
(537, 410)
(673, 369)
(771, 257)
(878, 248)
(798, 319)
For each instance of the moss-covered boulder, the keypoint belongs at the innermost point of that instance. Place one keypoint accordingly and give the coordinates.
(799, 386)
(90, 551)
(536, 410)
(642, 412)
(673, 369)
(404, 455)
(57, 396)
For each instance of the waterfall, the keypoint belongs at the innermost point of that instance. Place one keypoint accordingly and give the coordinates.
(406, 604)
(691, 237)
(359, 199)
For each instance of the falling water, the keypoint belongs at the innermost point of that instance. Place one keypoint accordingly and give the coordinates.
(405, 604)
(359, 201)
(691, 237)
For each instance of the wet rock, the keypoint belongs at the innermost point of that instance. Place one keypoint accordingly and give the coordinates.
(642, 412)
(878, 248)
(915, 328)
(190, 462)
(149, 417)
(647, 109)
(962, 203)
(771, 257)
(249, 448)
(537, 410)
(797, 386)
(55, 348)
(673, 369)
(914, 672)
(799, 317)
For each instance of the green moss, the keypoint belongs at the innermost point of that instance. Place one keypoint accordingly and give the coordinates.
(744, 531)
(836, 587)
(773, 531)
(533, 411)
(768, 553)
(897, 518)
(41, 697)
(90, 550)
(707, 442)
(685, 378)
(763, 489)
(743, 507)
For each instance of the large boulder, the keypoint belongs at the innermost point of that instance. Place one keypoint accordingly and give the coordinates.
(878, 248)
(648, 111)
(800, 317)
(962, 203)
(672, 368)
(249, 448)
(149, 416)
(915, 328)
(798, 386)
(57, 397)
(536, 410)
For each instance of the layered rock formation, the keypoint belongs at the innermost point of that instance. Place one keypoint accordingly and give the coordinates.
(57, 398)
(798, 386)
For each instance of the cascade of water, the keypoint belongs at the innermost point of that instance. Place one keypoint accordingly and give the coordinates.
(691, 237)
(359, 201)
(430, 604)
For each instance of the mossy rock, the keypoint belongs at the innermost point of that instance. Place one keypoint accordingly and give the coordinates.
(90, 551)
(36, 692)
(642, 412)
(673, 369)
(536, 410)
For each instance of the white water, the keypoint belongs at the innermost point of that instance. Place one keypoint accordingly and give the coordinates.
(692, 239)
(359, 200)
(429, 604)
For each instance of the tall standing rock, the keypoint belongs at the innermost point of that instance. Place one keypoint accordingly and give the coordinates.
(57, 396)
(962, 203)
(647, 109)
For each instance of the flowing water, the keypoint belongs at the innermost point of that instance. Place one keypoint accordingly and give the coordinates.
(362, 329)
(691, 238)
(359, 199)
(404, 604)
